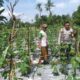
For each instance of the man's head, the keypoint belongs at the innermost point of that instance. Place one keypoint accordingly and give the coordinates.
(67, 25)
(44, 27)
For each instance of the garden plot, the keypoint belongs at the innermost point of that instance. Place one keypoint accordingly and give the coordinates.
(45, 72)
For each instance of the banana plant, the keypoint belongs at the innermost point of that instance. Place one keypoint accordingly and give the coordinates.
(11, 7)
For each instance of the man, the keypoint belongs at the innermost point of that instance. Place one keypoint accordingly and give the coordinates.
(43, 44)
(65, 38)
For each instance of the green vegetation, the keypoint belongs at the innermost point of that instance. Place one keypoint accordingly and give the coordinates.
(17, 41)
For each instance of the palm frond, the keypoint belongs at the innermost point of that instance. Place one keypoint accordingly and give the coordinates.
(16, 1)
(1, 11)
(2, 18)
(38, 7)
(48, 5)
(1, 3)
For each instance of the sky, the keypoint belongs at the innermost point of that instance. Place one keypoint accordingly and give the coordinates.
(26, 9)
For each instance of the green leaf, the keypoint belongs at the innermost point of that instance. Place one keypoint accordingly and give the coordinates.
(4, 74)
(2, 11)
(70, 77)
(5, 52)
(74, 63)
(78, 59)
(24, 68)
(1, 61)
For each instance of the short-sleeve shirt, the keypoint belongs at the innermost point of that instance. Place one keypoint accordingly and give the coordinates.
(43, 38)
(66, 35)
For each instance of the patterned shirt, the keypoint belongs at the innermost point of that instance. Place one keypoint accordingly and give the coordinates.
(65, 35)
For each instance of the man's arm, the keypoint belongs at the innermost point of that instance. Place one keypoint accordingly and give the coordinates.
(59, 37)
(72, 33)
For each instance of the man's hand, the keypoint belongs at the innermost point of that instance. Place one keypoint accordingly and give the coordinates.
(39, 44)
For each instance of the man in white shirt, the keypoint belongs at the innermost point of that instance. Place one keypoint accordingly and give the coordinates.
(43, 44)
(65, 38)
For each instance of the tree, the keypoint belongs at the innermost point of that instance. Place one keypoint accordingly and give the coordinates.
(39, 8)
(49, 5)
(37, 20)
(2, 18)
(57, 19)
(76, 16)
(11, 8)
(65, 18)
(40, 20)
(1, 3)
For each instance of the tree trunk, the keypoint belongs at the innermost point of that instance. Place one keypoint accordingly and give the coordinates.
(11, 56)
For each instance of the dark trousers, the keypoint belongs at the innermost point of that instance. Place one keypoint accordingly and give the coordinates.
(66, 48)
